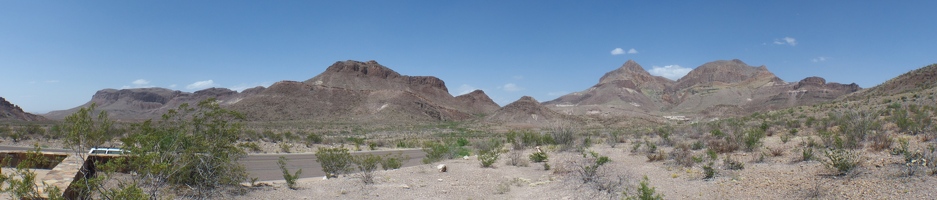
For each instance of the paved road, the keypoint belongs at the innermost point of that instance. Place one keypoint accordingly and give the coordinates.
(264, 166)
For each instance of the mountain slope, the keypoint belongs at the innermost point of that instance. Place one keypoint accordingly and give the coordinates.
(12, 112)
(150, 103)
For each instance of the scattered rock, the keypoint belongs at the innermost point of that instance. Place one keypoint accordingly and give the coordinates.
(442, 168)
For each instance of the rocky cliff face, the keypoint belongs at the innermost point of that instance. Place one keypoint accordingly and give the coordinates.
(12, 112)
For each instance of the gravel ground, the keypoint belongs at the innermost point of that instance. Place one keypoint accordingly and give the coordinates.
(779, 177)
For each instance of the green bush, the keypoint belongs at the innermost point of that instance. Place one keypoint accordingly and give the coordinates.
(752, 139)
(806, 154)
(290, 178)
(312, 139)
(538, 157)
(708, 171)
(334, 161)
(488, 158)
(842, 161)
(589, 170)
(646, 192)
(393, 161)
(435, 152)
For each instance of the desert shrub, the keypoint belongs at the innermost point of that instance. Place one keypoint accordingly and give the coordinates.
(191, 148)
(367, 164)
(752, 139)
(312, 138)
(902, 148)
(435, 152)
(488, 158)
(289, 136)
(492, 144)
(613, 139)
(880, 141)
(286, 147)
(334, 161)
(708, 171)
(646, 192)
(393, 161)
(250, 146)
(682, 155)
(775, 152)
(724, 145)
(530, 138)
(515, 158)
(588, 170)
(357, 142)
(271, 136)
(656, 156)
(697, 145)
(785, 138)
(462, 142)
(712, 154)
(841, 161)
(564, 137)
(290, 178)
(664, 133)
(806, 154)
(538, 157)
(635, 146)
(732, 164)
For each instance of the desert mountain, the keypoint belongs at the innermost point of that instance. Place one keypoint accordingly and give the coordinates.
(364, 91)
(12, 112)
(916, 80)
(724, 87)
(527, 110)
(151, 103)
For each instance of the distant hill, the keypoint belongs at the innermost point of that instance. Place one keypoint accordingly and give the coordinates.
(718, 88)
(528, 110)
(364, 91)
(916, 80)
(151, 103)
(12, 112)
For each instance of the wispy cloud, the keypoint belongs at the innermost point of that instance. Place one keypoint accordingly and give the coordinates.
(819, 59)
(786, 41)
(139, 83)
(672, 72)
(465, 89)
(518, 77)
(173, 86)
(201, 85)
(511, 87)
(557, 93)
(620, 51)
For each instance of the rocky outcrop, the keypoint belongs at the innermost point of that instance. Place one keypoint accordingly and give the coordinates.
(12, 112)
(527, 110)
(477, 102)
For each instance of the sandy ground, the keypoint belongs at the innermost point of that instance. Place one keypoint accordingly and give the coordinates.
(780, 177)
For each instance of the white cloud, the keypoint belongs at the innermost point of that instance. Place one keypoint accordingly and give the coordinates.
(465, 89)
(201, 85)
(620, 51)
(141, 82)
(819, 59)
(672, 72)
(786, 40)
(511, 87)
(173, 86)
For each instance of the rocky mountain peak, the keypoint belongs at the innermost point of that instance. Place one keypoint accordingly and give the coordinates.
(630, 71)
(370, 75)
(725, 71)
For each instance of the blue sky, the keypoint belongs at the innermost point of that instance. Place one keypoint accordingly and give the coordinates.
(55, 55)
